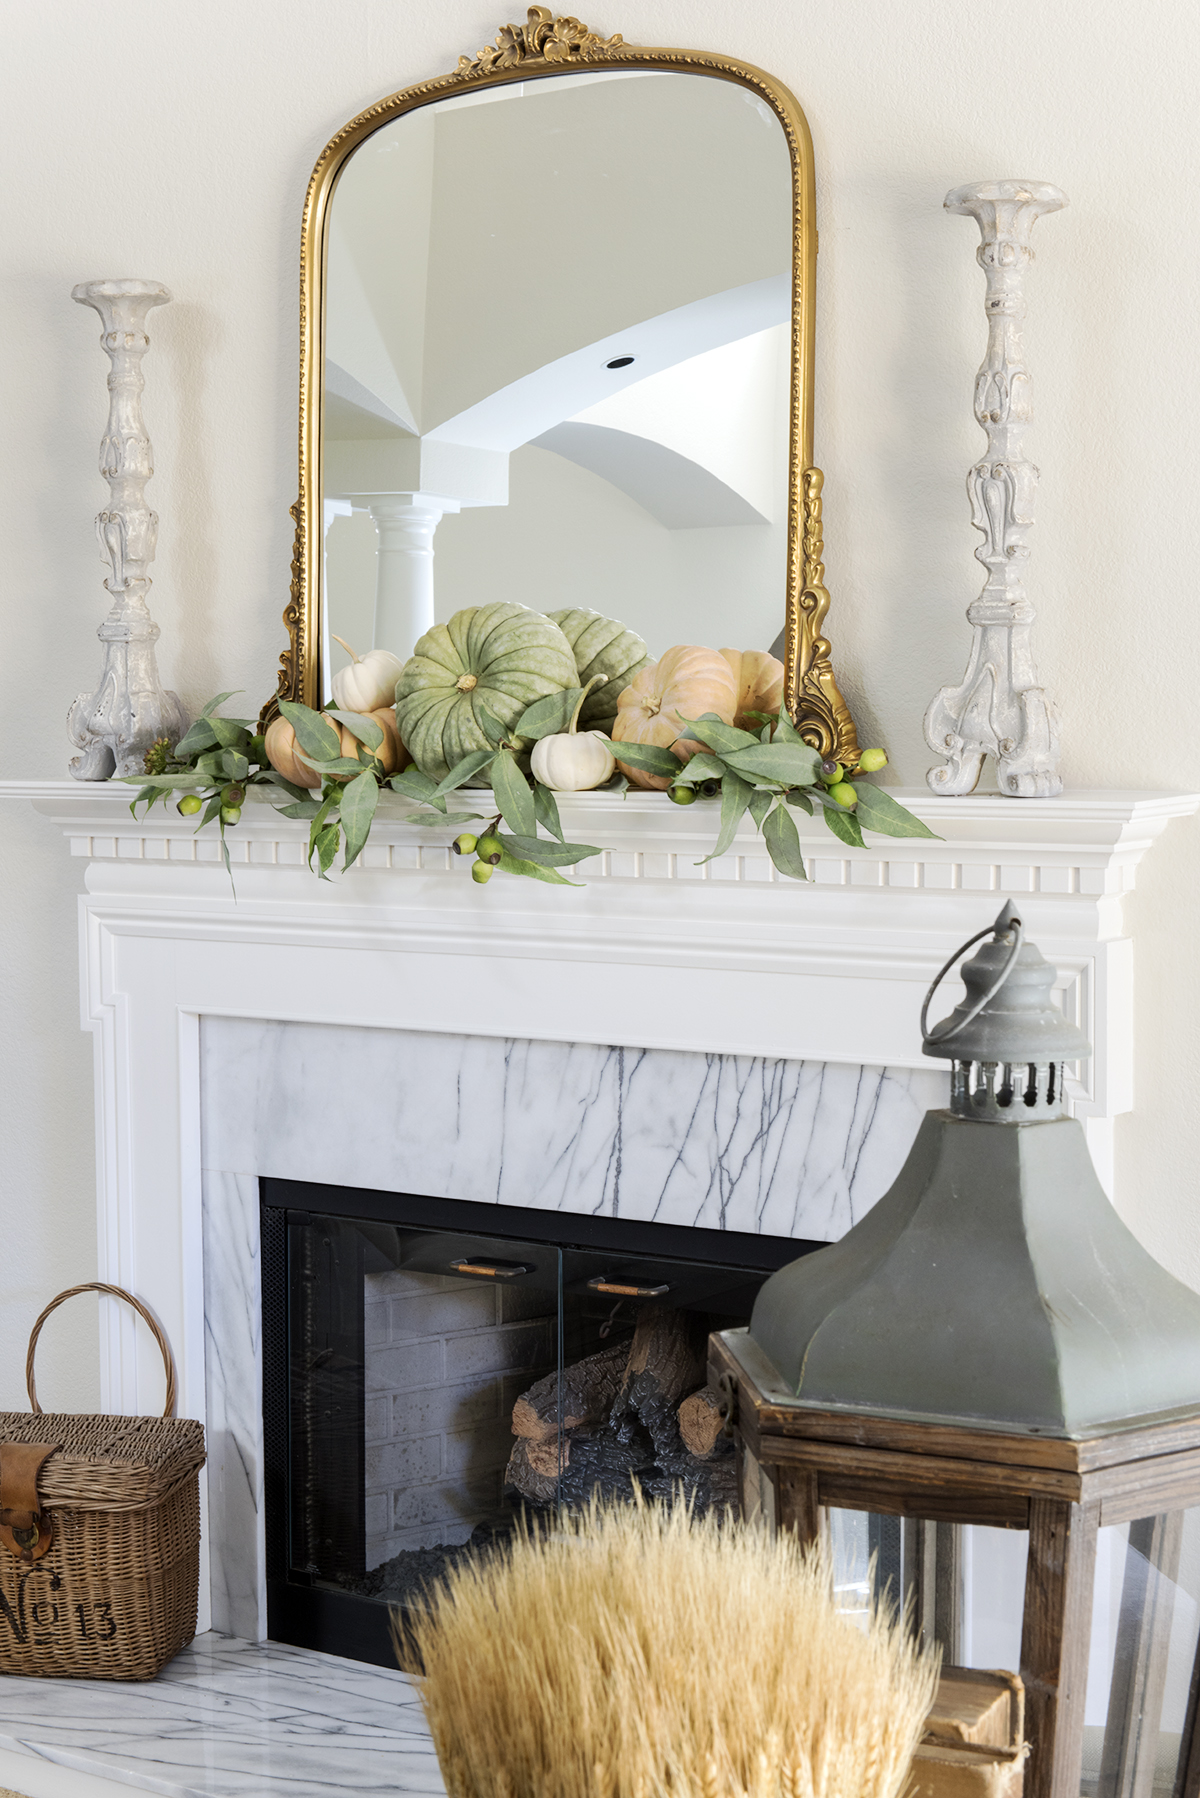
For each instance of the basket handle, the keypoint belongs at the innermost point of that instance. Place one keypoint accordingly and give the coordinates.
(115, 1292)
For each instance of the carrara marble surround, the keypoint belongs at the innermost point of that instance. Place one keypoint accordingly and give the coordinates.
(744, 996)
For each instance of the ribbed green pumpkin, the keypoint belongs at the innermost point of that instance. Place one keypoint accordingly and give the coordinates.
(500, 657)
(601, 646)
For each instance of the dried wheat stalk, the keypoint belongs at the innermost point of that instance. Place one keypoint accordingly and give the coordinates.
(635, 1651)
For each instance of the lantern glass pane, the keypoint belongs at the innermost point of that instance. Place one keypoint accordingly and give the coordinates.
(1142, 1671)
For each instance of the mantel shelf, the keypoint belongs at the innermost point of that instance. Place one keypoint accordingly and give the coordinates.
(1084, 844)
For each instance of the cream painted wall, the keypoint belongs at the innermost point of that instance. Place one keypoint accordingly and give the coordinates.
(196, 177)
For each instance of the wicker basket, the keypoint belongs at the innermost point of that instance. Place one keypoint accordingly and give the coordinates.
(99, 1533)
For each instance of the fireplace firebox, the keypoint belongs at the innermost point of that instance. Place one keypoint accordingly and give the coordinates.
(435, 1370)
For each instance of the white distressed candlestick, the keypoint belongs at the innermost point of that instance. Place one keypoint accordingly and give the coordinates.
(114, 726)
(999, 709)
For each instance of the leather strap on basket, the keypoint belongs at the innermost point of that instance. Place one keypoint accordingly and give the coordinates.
(114, 1292)
(25, 1529)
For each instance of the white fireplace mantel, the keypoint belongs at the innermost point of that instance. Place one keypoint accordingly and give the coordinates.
(649, 952)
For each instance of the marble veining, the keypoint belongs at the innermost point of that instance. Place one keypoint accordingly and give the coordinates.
(749, 1143)
(230, 1719)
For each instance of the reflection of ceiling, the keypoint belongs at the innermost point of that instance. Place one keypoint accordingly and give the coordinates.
(352, 410)
(680, 493)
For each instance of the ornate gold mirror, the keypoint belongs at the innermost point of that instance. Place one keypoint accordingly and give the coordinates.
(557, 347)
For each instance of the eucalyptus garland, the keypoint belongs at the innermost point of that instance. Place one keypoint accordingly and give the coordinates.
(769, 776)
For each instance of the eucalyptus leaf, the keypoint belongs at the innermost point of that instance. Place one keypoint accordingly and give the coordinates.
(229, 732)
(357, 810)
(490, 725)
(844, 826)
(148, 793)
(163, 783)
(301, 808)
(761, 801)
(415, 785)
(318, 824)
(513, 864)
(548, 717)
(550, 855)
(877, 810)
(315, 735)
(201, 736)
(545, 806)
(462, 771)
(327, 848)
(785, 730)
(649, 757)
(513, 795)
(341, 764)
(794, 796)
(783, 843)
(212, 810)
(701, 767)
(365, 729)
(212, 705)
(790, 764)
(276, 779)
(715, 734)
(236, 764)
(443, 817)
(736, 794)
(212, 763)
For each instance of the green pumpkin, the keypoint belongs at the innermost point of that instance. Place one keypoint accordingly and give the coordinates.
(601, 646)
(499, 657)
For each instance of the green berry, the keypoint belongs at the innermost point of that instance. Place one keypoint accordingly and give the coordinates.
(465, 845)
(489, 848)
(710, 788)
(872, 760)
(189, 805)
(230, 814)
(233, 794)
(832, 773)
(482, 872)
(681, 795)
(258, 749)
(845, 795)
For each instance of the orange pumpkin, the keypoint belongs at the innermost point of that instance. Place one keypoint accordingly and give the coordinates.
(282, 755)
(759, 678)
(684, 683)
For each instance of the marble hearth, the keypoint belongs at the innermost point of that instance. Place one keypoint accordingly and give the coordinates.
(697, 1045)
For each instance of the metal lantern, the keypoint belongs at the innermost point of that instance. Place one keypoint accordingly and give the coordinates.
(992, 1345)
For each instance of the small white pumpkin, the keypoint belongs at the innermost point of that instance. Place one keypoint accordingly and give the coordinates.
(575, 760)
(369, 682)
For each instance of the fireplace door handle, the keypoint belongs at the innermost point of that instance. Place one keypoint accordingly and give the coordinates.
(620, 1290)
(492, 1270)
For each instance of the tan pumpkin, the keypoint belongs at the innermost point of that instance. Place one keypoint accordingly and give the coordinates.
(684, 683)
(391, 751)
(282, 753)
(759, 677)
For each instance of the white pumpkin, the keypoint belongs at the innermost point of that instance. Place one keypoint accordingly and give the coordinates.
(574, 761)
(369, 682)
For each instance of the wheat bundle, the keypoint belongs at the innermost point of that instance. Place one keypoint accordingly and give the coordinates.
(637, 1651)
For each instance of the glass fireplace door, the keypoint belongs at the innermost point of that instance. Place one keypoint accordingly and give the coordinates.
(427, 1388)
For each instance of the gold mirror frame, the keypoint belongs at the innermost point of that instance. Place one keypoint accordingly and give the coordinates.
(554, 46)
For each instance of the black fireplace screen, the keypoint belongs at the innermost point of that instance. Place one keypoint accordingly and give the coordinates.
(428, 1382)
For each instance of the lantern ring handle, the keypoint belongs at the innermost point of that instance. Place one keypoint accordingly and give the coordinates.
(938, 1035)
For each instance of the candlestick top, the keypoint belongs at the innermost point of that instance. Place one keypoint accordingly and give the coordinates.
(1032, 197)
(135, 287)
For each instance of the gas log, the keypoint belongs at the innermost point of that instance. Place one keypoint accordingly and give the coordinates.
(635, 1411)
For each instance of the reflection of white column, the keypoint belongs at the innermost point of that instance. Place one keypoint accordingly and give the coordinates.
(404, 566)
(332, 508)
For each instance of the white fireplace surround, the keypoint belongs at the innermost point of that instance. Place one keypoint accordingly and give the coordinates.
(194, 997)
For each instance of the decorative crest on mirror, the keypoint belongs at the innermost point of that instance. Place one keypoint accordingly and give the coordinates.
(544, 36)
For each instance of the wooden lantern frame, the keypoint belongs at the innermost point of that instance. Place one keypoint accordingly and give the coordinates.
(1061, 1490)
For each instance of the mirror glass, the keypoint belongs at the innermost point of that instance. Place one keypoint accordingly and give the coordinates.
(557, 362)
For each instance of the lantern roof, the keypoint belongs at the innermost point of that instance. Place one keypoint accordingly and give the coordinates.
(994, 1285)
(1007, 1015)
